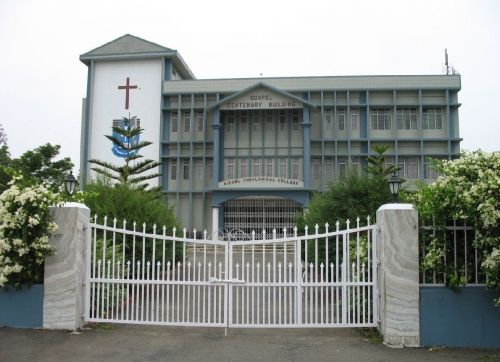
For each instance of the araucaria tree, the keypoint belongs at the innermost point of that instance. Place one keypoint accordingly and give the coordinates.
(127, 144)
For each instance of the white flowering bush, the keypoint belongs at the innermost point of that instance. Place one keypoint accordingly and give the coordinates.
(468, 189)
(25, 227)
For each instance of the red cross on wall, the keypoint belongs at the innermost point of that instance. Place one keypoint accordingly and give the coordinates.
(127, 88)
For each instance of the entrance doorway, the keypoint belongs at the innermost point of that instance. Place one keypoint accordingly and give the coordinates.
(244, 215)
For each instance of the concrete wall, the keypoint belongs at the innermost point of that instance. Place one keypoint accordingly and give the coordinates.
(466, 318)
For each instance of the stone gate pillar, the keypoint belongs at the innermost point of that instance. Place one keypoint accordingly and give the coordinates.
(398, 274)
(63, 300)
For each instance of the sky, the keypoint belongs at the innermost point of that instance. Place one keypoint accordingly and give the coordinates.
(42, 81)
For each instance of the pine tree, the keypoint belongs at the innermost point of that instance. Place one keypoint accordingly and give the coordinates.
(128, 144)
(377, 167)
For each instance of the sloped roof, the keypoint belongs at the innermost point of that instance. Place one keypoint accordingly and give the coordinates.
(130, 47)
(265, 86)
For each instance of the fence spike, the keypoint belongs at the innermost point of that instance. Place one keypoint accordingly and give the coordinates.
(184, 232)
(284, 232)
(144, 227)
(274, 233)
(174, 231)
(253, 235)
(95, 218)
(194, 233)
(105, 220)
(168, 264)
(306, 229)
(114, 222)
(124, 223)
(347, 223)
(189, 264)
(209, 264)
(368, 220)
(205, 234)
(295, 230)
(154, 229)
(316, 228)
(158, 264)
(164, 228)
(290, 264)
(337, 225)
(327, 225)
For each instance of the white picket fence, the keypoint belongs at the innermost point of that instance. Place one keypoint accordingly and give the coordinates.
(323, 279)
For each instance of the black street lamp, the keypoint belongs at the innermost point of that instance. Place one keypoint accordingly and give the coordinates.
(70, 183)
(395, 185)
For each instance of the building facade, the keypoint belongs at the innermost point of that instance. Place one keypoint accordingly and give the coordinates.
(243, 154)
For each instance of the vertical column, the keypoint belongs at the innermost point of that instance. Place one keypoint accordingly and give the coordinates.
(306, 126)
(399, 284)
(217, 126)
(63, 301)
(215, 222)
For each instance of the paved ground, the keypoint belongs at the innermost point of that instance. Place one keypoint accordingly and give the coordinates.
(139, 343)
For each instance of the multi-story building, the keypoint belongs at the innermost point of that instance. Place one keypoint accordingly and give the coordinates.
(248, 153)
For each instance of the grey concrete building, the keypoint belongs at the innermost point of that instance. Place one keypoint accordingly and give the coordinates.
(248, 153)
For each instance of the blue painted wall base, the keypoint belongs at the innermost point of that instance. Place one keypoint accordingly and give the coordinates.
(22, 308)
(467, 318)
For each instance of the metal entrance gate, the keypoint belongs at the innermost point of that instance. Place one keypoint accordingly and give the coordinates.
(324, 279)
(248, 214)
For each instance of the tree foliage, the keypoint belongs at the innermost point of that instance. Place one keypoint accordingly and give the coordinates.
(38, 166)
(126, 139)
(376, 164)
(127, 202)
(468, 189)
(355, 196)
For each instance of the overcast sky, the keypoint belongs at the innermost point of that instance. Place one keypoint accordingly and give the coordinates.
(42, 80)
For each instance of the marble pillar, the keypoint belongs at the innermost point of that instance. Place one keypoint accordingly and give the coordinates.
(398, 276)
(63, 301)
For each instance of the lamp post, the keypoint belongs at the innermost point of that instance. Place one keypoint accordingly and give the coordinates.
(70, 183)
(394, 185)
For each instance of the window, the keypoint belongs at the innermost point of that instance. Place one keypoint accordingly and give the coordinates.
(315, 166)
(269, 121)
(256, 167)
(295, 120)
(432, 119)
(256, 124)
(243, 121)
(341, 119)
(230, 168)
(295, 168)
(244, 167)
(230, 123)
(381, 118)
(354, 119)
(430, 172)
(342, 165)
(187, 121)
(269, 167)
(283, 167)
(173, 170)
(174, 120)
(282, 120)
(408, 167)
(199, 121)
(329, 169)
(328, 116)
(197, 170)
(407, 118)
(185, 169)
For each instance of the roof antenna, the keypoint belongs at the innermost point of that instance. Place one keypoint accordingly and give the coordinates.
(446, 61)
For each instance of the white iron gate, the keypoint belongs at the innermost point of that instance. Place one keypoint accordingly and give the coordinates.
(324, 279)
